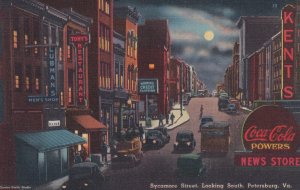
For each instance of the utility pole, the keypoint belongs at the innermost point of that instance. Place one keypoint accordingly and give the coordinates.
(181, 87)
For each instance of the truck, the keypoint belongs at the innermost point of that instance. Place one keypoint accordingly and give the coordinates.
(128, 151)
(215, 137)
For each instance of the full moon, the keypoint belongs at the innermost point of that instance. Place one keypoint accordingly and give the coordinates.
(209, 35)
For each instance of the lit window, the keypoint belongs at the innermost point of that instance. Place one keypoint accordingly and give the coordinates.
(17, 81)
(35, 49)
(26, 39)
(117, 80)
(27, 82)
(45, 49)
(46, 90)
(37, 84)
(15, 38)
(69, 52)
(70, 95)
(60, 54)
(61, 98)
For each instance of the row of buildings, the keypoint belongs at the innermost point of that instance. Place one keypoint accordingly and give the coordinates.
(265, 59)
(69, 73)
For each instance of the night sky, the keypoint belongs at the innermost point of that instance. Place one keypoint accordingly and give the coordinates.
(190, 19)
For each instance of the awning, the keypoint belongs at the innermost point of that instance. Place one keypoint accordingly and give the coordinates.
(89, 123)
(50, 140)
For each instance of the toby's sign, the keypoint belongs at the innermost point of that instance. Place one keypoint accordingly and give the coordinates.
(269, 134)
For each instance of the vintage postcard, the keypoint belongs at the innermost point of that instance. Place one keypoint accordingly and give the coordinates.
(150, 94)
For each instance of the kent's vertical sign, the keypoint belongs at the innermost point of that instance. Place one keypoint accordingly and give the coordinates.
(52, 73)
(79, 41)
(288, 33)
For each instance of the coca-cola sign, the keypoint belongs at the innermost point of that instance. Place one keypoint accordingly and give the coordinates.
(269, 129)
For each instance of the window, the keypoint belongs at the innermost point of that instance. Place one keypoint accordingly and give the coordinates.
(60, 54)
(15, 38)
(35, 49)
(45, 41)
(37, 80)
(104, 40)
(70, 94)
(18, 77)
(104, 6)
(28, 78)
(61, 98)
(69, 52)
(26, 42)
(46, 90)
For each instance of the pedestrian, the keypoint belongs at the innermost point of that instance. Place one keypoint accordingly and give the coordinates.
(167, 119)
(83, 153)
(172, 118)
(141, 130)
(201, 111)
(161, 117)
(77, 158)
(104, 152)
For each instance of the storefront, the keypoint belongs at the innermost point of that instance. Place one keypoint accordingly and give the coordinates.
(43, 156)
(92, 130)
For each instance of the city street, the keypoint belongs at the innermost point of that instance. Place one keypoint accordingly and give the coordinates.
(158, 166)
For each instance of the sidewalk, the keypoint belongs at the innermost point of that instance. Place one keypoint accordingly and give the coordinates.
(179, 120)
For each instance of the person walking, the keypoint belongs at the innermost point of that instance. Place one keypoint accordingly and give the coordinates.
(161, 120)
(141, 130)
(201, 111)
(172, 118)
(104, 152)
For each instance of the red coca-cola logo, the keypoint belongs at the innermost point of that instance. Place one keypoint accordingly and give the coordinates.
(269, 129)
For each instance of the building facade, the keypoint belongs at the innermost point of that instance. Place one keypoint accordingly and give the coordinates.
(254, 31)
(154, 57)
(126, 24)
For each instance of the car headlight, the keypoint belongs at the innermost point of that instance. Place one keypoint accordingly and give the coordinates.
(64, 186)
(154, 141)
(176, 143)
(188, 143)
(86, 184)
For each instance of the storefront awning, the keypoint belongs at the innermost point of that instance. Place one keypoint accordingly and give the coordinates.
(89, 123)
(50, 140)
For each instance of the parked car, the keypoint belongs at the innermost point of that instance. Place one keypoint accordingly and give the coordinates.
(164, 131)
(185, 140)
(205, 119)
(190, 165)
(231, 108)
(155, 138)
(84, 176)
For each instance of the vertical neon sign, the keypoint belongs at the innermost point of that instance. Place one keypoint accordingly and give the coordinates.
(288, 33)
(79, 41)
(52, 72)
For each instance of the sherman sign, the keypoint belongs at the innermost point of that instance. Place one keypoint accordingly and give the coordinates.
(148, 86)
(288, 33)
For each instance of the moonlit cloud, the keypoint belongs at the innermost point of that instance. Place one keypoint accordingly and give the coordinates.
(188, 21)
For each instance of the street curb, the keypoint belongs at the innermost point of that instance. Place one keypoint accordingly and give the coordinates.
(169, 129)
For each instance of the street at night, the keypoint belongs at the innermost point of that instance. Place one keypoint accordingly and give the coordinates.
(159, 166)
(149, 94)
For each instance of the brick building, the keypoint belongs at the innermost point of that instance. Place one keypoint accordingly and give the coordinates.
(100, 55)
(174, 84)
(154, 57)
(126, 24)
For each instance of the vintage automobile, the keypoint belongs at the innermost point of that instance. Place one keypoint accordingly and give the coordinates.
(164, 131)
(184, 140)
(205, 119)
(128, 153)
(215, 137)
(190, 165)
(84, 176)
(155, 138)
(231, 108)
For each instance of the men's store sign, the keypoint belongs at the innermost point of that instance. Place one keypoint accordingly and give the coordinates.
(80, 41)
(288, 33)
(270, 137)
(52, 72)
